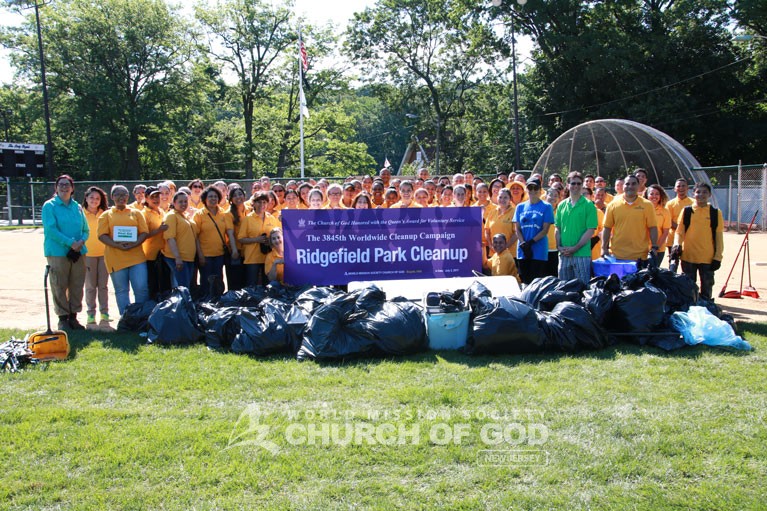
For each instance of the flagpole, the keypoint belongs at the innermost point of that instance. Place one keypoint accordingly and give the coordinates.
(301, 101)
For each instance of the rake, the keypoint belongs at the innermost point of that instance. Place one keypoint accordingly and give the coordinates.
(749, 290)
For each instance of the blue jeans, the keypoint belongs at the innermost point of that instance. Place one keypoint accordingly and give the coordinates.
(131, 277)
(182, 277)
(214, 266)
(254, 275)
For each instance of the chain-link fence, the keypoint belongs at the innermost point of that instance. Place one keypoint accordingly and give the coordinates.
(22, 200)
(741, 193)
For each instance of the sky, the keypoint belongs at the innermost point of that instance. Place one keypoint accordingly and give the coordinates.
(318, 12)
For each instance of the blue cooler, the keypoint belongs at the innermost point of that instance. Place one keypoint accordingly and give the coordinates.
(447, 331)
(606, 266)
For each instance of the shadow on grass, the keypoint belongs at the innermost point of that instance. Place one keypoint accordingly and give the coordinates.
(128, 342)
(747, 329)
(458, 357)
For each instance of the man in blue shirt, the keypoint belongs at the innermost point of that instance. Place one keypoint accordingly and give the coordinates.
(532, 220)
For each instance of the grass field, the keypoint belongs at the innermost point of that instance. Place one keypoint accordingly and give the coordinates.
(123, 425)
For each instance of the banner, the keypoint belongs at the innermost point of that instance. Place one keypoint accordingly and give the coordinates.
(336, 246)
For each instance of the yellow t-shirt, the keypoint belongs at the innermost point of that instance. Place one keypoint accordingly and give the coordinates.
(697, 243)
(630, 223)
(246, 211)
(152, 246)
(400, 205)
(674, 207)
(270, 258)
(596, 251)
(498, 223)
(552, 236)
(486, 209)
(93, 244)
(182, 230)
(136, 205)
(210, 241)
(115, 258)
(663, 219)
(253, 226)
(503, 264)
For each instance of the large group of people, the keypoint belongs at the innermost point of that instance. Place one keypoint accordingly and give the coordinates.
(194, 235)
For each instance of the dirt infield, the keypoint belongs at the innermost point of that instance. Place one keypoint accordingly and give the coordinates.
(22, 303)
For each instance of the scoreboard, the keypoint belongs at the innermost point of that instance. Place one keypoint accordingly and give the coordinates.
(22, 160)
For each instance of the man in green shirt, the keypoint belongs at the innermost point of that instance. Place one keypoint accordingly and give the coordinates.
(575, 222)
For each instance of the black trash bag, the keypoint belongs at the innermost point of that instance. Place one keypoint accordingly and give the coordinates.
(598, 302)
(545, 293)
(582, 326)
(480, 299)
(556, 334)
(477, 289)
(509, 327)
(598, 298)
(298, 319)
(222, 326)
(325, 336)
(370, 298)
(571, 286)
(313, 298)
(204, 311)
(637, 311)
(296, 322)
(681, 291)
(452, 302)
(264, 330)
(537, 289)
(288, 294)
(174, 321)
(611, 284)
(397, 327)
(664, 337)
(557, 296)
(362, 323)
(636, 280)
(246, 297)
(136, 316)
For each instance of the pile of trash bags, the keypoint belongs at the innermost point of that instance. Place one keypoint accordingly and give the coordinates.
(549, 315)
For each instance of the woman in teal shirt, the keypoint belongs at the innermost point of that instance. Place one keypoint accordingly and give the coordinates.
(66, 229)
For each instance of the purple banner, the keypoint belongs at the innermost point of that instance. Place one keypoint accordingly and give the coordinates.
(327, 247)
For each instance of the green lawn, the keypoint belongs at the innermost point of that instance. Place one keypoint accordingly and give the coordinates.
(122, 425)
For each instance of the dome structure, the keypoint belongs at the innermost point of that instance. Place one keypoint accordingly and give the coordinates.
(615, 147)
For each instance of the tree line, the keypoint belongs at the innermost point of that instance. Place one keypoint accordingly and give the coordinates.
(138, 90)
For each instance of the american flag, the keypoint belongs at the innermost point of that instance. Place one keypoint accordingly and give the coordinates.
(302, 55)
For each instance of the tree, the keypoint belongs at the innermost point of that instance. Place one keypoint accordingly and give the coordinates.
(670, 64)
(113, 73)
(440, 46)
(22, 117)
(249, 36)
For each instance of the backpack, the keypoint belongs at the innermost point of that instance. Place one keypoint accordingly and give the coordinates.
(687, 215)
